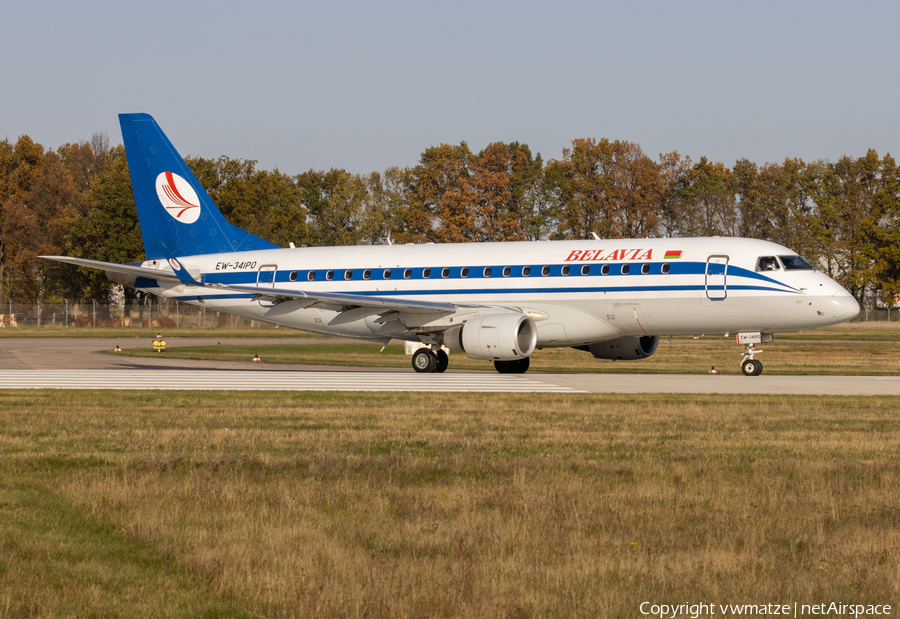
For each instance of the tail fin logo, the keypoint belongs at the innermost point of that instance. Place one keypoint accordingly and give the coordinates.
(178, 197)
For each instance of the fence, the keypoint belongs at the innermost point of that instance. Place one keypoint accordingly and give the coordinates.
(169, 313)
(156, 313)
(877, 315)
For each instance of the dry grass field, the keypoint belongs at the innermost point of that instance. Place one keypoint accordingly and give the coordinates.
(172, 504)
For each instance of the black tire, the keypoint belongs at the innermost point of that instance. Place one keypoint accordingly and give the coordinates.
(517, 366)
(442, 361)
(424, 361)
(759, 367)
(748, 367)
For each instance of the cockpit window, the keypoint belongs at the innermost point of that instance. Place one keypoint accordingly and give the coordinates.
(767, 263)
(795, 263)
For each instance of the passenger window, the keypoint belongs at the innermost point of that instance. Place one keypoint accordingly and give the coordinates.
(311, 276)
(407, 273)
(645, 268)
(604, 270)
(507, 271)
(545, 271)
(329, 275)
(526, 271)
(625, 269)
(464, 272)
(665, 268)
(348, 274)
(767, 263)
(565, 269)
(586, 269)
(293, 276)
(487, 271)
(387, 274)
(795, 263)
(445, 273)
(426, 273)
(367, 273)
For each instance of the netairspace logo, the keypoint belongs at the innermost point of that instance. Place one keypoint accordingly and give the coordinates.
(825, 609)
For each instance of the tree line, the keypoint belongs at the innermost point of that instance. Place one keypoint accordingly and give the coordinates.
(843, 216)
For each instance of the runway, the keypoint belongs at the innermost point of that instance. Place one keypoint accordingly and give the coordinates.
(263, 380)
(64, 363)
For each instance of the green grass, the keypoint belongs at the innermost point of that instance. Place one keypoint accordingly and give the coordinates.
(57, 559)
(468, 505)
(680, 356)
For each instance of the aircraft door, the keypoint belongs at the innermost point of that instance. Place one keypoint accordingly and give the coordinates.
(716, 278)
(265, 278)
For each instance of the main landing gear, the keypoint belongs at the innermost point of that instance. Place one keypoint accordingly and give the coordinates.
(749, 365)
(518, 366)
(425, 360)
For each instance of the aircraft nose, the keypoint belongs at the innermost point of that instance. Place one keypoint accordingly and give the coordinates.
(844, 306)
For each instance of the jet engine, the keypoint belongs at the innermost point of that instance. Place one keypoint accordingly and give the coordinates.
(626, 348)
(494, 337)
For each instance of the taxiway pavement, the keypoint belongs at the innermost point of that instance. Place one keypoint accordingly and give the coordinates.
(67, 363)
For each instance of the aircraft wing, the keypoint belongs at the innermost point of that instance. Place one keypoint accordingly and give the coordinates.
(124, 269)
(351, 307)
(342, 301)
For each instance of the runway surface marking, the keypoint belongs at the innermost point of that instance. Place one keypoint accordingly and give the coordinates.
(249, 380)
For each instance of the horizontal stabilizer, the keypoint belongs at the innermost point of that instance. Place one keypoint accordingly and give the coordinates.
(112, 267)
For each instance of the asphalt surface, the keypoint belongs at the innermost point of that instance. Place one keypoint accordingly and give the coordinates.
(51, 362)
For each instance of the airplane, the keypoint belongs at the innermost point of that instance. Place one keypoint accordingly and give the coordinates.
(493, 301)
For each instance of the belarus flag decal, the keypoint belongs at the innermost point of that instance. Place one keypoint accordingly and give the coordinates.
(673, 254)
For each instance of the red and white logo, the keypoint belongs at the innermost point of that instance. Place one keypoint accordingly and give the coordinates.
(178, 197)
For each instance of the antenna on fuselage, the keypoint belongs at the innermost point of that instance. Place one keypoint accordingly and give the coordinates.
(388, 239)
(596, 238)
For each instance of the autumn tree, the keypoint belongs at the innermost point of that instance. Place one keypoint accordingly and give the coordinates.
(884, 236)
(443, 192)
(267, 204)
(394, 211)
(344, 220)
(494, 212)
(110, 231)
(36, 186)
(580, 185)
(636, 190)
(609, 188)
(706, 201)
(672, 168)
(530, 199)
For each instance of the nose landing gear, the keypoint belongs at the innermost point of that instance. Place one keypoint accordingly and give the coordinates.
(749, 365)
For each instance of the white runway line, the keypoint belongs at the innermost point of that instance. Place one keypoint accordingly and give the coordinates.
(271, 381)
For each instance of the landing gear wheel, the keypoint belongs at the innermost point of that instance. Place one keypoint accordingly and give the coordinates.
(518, 366)
(425, 361)
(442, 361)
(751, 367)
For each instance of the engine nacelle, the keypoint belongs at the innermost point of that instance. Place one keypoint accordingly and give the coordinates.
(626, 348)
(494, 337)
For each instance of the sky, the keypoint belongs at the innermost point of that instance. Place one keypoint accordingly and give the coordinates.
(364, 86)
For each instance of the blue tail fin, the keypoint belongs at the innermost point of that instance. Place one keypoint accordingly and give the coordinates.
(177, 216)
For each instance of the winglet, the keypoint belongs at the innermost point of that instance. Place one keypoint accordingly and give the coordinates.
(182, 273)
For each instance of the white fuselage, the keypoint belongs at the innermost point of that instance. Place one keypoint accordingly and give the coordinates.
(576, 291)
